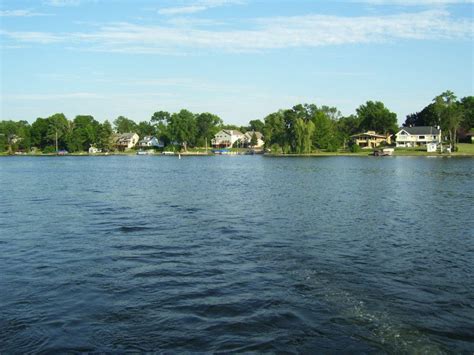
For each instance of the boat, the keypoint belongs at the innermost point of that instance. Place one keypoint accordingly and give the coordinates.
(382, 152)
(145, 152)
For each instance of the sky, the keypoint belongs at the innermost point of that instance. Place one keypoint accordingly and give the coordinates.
(239, 59)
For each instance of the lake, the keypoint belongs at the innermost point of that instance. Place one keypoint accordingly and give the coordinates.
(236, 253)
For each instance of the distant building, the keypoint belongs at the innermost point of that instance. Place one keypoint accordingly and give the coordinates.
(226, 138)
(151, 142)
(126, 141)
(417, 136)
(370, 139)
(94, 150)
(248, 138)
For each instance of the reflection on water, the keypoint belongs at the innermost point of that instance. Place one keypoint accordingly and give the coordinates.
(236, 254)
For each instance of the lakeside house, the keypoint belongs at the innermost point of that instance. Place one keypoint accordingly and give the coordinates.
(370, 139)
(150, 142)
(248, 138)
(126, 141)
(418, 136)
(226, 138)
(94, 150)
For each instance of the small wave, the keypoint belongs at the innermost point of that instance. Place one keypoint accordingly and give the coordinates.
(131, 229)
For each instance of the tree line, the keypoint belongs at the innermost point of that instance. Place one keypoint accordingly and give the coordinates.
(300, 129)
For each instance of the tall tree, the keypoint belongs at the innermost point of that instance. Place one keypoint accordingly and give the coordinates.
(256, 125)
(105, 140)
(85, 133)
(182, 127)
(375, 116)
(160, 120)
(450, 114)
(58, 126)
(125, 125)
(207, 125)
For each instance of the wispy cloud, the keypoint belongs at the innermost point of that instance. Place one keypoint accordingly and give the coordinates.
(53, 96)
(33, 37)
(414, 2)
(21, 13)
(265, 33)
(62, 3)
(196, 6)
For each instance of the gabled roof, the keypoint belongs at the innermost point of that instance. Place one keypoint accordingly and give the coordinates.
(420, 130)
(148, 138)
(126, 135)
(233, 132)
(249, 134)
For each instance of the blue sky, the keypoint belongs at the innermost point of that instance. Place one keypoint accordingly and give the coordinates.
(240, 59)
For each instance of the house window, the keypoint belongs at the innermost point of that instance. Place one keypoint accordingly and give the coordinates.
(422, 137)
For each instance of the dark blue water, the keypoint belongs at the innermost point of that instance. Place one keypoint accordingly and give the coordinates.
(236, 254)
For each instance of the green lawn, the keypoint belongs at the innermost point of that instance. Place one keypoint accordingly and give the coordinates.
(466, 148)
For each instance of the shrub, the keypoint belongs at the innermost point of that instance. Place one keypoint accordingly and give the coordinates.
(355, 148)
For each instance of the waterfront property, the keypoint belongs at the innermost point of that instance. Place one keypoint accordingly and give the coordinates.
(370, 139)
(247, 140)
(126, 141)
(150, 142)
(417, 136)
(94, 150)
(226, 138)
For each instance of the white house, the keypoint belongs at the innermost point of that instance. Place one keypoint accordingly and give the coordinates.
(417, 136)
(226, 138)
(151, 142)
(94, 150)
(248, 139)
(126, 141)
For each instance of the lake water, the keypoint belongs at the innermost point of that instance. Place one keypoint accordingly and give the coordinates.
(245, 253)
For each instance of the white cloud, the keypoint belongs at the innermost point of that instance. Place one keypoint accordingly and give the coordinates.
(21, 13)
(197, 6)
(54, 96)
(33, 37)
(414, 2)
(62, 3)
(266, 33)
(182, 10)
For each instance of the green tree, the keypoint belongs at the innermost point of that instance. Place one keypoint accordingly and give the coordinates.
(15, 136)
(39, 133)
(375, 116)
(253, 140)
(207, 125)
(105, 140)
(467, 106)
(146, 129)
(182, 128)
(85, 133)
(256, 125)
(125, 125)
(274, 130)
(324, 136)
(160, 120)
(58, 127)
(450, 114)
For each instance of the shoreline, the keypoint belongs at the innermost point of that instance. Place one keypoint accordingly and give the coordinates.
(309, 155)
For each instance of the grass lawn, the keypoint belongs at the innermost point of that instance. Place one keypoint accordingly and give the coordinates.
(465, 148)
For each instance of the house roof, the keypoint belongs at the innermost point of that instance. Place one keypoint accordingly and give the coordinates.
(147, 138)
(126, 135)
(370, 134)
(232, 132)
(249, 134)
(419, 130)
